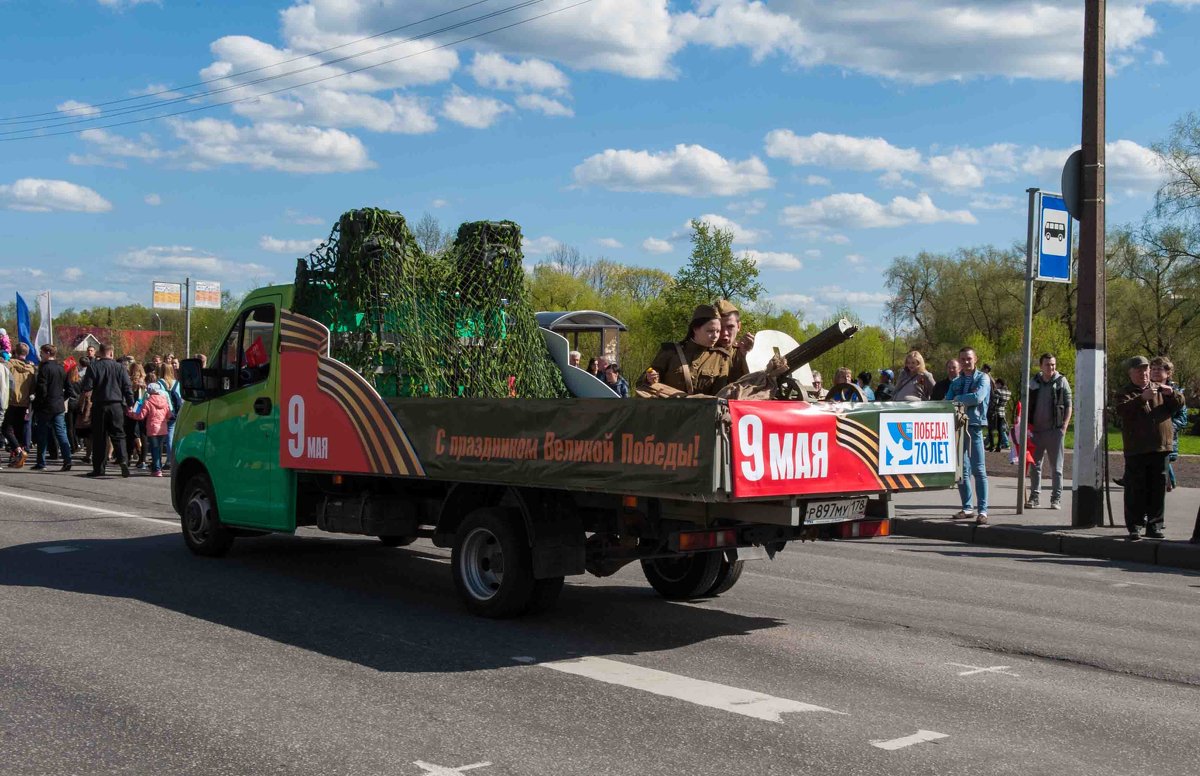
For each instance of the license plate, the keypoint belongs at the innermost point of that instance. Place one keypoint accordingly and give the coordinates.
(817, 512)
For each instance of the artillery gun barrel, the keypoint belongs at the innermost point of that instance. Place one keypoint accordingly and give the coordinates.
(822, 343)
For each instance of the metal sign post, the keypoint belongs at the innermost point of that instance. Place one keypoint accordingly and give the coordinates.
(1035, 209)
(187, 317)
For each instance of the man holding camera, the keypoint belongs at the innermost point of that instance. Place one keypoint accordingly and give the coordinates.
(1145, 408)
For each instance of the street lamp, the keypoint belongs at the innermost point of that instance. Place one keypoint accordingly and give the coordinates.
(157, 322)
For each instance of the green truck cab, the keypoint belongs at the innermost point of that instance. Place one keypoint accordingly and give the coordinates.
(277, 435)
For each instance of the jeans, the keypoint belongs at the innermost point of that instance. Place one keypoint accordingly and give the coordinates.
(156, 443)
(171, 442)
(59, 425)
(1047, 443)
(975, 465)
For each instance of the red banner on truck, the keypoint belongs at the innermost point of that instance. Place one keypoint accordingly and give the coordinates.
(797, 448)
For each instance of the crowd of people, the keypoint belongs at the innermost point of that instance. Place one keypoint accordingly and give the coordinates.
(109, 411)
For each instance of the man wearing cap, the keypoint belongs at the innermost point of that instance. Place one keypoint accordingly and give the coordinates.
(732, 339)
(1145, 409)
(887, 385)
(694, 365)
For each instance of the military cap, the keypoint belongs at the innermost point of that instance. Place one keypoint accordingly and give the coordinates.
(725, 307)
(1137, 361)
(705, 312)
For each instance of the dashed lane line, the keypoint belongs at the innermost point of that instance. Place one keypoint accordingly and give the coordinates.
(920, 737)
(698, 691)
(84, 507)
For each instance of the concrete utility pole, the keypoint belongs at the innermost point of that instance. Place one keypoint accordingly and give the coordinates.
(1090, 387)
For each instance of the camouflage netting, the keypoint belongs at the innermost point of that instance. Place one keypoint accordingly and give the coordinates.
(453, 324)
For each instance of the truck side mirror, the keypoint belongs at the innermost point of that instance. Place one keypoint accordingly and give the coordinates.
(191, 381)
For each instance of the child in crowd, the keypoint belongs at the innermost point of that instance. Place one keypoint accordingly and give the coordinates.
(155, 410)
(5, 345)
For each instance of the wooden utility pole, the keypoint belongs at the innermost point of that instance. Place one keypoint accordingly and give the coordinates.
(1090, 372)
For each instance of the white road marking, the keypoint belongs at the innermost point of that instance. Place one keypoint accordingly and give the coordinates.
(55, 549)
(441, 770)
(717, 696)
(972, 670)
(84, 507)
(920, 737)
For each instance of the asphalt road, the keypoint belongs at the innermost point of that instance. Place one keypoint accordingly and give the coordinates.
(121, 653)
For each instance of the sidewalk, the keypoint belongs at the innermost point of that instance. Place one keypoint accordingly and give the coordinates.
(928, 515)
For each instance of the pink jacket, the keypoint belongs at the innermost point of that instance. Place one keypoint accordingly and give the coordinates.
(156, 411)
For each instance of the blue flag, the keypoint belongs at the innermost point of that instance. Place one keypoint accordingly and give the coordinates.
(23, 328)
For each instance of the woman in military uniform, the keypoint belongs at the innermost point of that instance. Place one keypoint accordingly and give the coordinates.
(695, 365)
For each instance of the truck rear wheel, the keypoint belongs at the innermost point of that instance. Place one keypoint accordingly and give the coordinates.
(203, 531)
(684, 577)
(493, 566)
(727, 577)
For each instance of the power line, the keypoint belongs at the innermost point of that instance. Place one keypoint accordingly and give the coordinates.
(307, 83)
(27, 131)
(32, 117)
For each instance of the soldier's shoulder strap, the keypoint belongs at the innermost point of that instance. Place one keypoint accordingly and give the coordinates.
(687, 370)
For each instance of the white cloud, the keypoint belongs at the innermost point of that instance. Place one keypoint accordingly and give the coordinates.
(840, 151)
(655, 245)
(791, 301)
(298, 247)
(296, 217)
(895, 180)
(269, 146)
(610, 242)
(76, 108)
(90, 297)
(471, 110)
(544, 105)
(42, 196)
(860, 211)
(1129, 166)
(986, 201)
(749, 207)
(854, 259)
(439, 203)
(838, 294)
(153, 200)
(740, 233)
(837, 239)
(920, 41)
(817, 180)
(493, 71)
(538, 246)
(121, 5)
(183, 258)
(72, 274)
(689, 170)
(159, 91)
(774, 259)
(110, 150)
(813, 253)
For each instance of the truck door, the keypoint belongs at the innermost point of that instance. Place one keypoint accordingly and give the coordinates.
(243, 424)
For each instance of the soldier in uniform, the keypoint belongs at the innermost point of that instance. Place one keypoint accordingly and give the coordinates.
(694, 366)
(738, 346)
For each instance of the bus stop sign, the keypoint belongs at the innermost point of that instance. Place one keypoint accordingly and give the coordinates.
(1054, 239)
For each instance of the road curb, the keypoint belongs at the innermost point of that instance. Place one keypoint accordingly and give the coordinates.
(1175, 554)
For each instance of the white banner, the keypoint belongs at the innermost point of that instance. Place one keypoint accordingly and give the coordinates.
(43, 336)
(208, 294)
(168, 296)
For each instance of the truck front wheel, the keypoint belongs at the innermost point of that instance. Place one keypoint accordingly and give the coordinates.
(493, 566)
(203, 530)
(684, 577)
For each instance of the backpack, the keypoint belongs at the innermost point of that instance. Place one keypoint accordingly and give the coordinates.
(173, 396)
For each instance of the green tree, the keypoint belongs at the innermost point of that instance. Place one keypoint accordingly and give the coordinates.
(713, 272)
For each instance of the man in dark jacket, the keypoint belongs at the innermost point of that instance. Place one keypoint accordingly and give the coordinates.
(50, 407)
(1145, 409)
(1050, 407)
(953, 369)
(112, 392)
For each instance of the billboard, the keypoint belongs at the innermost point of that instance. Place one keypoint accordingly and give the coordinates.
(208, 294)
(168, 296)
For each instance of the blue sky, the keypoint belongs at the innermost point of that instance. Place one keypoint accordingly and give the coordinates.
(831, 137)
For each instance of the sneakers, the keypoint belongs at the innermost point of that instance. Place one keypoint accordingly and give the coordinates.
(1056, 504)
(1154, 533)
(1032, 502)
(964, 514)
(66, 467)
(1134, 536)
(981, 518)
(141, 467)
(157, 474)
(37, 467)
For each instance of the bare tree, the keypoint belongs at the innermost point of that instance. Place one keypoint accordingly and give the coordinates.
(568, 259)
(429, 235)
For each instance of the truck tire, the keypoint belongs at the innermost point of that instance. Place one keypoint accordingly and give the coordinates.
(492, 564)
(203, 531)
(685, 577)
(728, 576)
(396, 541)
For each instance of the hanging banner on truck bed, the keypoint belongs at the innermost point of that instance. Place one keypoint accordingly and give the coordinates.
(334, 421)
(796, 448)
